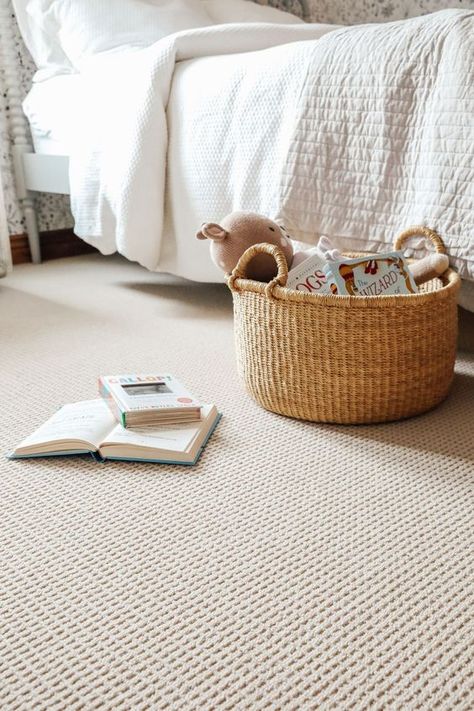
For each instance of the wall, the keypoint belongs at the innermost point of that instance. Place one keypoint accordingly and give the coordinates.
(54, 210)
(349, 12)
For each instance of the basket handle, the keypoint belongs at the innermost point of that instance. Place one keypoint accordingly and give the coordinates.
(421, 231)
(239, 271)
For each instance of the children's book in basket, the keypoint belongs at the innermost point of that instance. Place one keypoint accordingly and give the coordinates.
(148, 400)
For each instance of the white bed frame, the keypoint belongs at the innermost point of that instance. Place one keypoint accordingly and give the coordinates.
(34, 172)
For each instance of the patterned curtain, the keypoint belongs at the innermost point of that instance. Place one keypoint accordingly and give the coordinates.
(5, 163)
(5, 253)
(297, 7)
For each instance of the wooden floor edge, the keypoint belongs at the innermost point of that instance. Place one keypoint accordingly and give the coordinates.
(55, 244)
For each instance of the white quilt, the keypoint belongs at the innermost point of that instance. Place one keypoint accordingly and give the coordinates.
(384, 136)
(357, 135)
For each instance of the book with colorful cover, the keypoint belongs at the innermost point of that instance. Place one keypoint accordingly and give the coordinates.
(374, 275)
(148, 399)
(312, 276)
(90, 427)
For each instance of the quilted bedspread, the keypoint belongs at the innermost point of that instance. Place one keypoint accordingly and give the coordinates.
(384, 136)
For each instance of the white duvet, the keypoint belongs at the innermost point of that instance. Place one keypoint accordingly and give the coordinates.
(357, 134)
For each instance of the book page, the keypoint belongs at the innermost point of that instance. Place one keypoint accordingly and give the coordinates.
(88, 421)
(176, 438)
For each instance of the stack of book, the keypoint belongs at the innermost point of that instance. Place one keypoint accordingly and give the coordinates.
(139, 418)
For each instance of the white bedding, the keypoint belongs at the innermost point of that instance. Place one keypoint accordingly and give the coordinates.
(232, 128)
(54, 109)
(84, 28)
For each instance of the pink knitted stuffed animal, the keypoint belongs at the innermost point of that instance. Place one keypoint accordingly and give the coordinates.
(241, 230)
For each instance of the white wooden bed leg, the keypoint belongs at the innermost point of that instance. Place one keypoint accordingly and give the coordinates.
(26, 198)
(29, 211)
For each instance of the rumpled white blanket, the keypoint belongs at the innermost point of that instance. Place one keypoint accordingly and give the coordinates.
(384, 136)
(118, 162)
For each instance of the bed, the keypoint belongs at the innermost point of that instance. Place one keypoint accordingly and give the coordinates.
(266, 133)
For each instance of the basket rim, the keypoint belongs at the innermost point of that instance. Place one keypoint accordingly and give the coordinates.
(451, 284)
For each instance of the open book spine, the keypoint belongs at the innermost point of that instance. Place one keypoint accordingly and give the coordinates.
(71, 453)
(111, 402)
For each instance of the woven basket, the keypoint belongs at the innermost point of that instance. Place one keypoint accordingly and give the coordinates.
(345, 359)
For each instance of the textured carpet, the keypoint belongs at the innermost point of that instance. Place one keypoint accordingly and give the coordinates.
(296, 567)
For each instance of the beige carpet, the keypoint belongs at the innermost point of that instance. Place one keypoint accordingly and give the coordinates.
(296, 567)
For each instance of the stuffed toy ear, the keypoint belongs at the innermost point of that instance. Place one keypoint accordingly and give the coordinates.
(211, 230)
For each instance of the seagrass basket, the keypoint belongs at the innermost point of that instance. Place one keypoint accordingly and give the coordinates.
(345, 359)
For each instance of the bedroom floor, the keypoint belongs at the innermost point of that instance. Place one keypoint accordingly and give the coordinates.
(297, 566)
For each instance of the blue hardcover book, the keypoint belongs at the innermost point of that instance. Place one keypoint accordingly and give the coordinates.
(90, 427)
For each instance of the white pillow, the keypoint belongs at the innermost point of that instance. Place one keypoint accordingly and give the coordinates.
(48, 56)
(87, 27)
(222, 11)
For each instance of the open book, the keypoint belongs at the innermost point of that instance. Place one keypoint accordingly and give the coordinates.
(89, 426)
